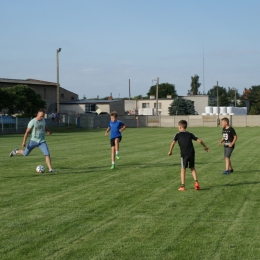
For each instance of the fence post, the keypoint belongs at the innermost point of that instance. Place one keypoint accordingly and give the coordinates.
(2, 123)
(16, 124)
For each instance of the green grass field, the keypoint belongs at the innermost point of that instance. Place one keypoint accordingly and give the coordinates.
(87, 211)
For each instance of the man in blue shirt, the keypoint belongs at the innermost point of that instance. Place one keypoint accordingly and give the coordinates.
(115, 127)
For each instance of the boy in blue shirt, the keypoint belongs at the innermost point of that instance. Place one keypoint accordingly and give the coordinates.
(115, 127)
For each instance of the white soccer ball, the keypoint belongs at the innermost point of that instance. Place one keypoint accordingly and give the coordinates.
(40, 169)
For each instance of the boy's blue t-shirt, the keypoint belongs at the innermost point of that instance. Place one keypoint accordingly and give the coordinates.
(114, 128)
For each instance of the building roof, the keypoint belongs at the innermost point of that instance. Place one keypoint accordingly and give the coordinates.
(27, 81)
(89, 101)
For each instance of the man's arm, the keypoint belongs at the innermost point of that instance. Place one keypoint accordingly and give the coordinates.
(28, 130)
(171, 147)
(47, 130)
(205, 147)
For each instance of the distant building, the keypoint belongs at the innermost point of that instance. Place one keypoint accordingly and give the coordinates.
(47, 90)
(149, 105)
(92, 105)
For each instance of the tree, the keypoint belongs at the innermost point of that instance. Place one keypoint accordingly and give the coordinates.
(233, 96)
(222, 94)
(164, 89)
(5, 99)
(181, 107)
(194, 86)
(25, 102)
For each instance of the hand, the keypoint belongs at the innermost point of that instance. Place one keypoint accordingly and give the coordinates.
(230, 145)
(49, 132)
(169, 153)
(219, 144)
(206, 149)
(23, 144)
(106, 133)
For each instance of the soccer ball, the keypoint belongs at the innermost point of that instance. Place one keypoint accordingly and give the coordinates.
(40, 169)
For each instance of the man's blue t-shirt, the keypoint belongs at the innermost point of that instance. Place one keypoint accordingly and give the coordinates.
(114, 128)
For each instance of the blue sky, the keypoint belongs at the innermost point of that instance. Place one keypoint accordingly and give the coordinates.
(107, 42)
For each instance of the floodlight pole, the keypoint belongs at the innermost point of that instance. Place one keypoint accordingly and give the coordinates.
(218, 122)
(157, 86)
(58, 80)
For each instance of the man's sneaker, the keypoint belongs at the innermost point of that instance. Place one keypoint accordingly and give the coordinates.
(112, 167)
(117, 156)
(226, 172)
(13, 152)
(197, 185)
(51, 170)
(181, 188)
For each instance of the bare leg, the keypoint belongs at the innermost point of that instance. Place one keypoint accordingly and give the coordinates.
(194, 174)
(228, 164)
(116, 145)
(183, 176)
(113, 154)
(48, 161)
(19, 152)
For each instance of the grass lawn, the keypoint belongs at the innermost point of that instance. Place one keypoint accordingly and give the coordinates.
(87, 211)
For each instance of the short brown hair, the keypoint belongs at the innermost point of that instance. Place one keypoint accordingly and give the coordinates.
(114, 114)
(225, 119)
(183, 124)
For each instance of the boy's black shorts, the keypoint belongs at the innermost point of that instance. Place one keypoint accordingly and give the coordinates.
(112, 141)
(188, 161)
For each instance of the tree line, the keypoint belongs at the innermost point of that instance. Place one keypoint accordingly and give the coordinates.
(21, 100)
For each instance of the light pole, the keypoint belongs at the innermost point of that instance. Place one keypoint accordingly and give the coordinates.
(218, 122)
(58, 80)
(157, 86)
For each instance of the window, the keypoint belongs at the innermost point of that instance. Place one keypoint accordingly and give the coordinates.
(90, 107)
(159, 105)
(62, 95)
(145, 105)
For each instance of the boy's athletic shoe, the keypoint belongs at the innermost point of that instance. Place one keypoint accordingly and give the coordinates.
(117, 156)
(51, 170)
(231, 170)
(112, 167)
(181, 188)
(13, 152)
(197, 186)
(226, 172)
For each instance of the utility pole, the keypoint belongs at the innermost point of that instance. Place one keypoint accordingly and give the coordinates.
(218, 122)
(129, 90)
(157, 86)
(58, 80)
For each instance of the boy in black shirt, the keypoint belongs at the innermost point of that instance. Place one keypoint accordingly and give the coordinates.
(229, 137)
(184, 139)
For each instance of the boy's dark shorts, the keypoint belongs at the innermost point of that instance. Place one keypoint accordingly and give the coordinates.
(112, 141)
(228, 151)
(188, 161)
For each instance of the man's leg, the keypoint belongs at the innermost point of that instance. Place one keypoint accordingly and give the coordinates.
(48, 162)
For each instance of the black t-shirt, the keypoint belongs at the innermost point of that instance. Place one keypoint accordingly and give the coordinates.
(228, 135)
(185, 142)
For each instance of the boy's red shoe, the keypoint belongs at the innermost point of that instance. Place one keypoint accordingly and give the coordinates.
(181, 188)
(197, 186)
